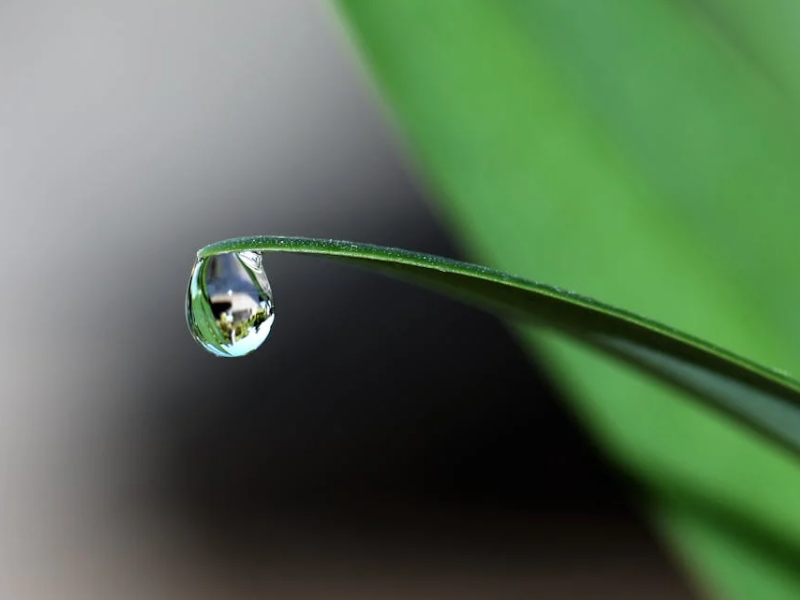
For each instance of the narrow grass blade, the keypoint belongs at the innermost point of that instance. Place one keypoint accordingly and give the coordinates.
(763, 398)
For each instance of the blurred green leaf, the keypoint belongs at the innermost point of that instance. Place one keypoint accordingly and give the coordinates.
(645, 153)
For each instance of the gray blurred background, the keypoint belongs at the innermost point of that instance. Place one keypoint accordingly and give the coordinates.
(384, 443)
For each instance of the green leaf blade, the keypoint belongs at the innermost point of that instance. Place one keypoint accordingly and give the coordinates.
(765, 399)
(626, 149)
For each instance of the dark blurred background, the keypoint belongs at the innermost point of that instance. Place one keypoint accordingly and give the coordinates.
(385, 442)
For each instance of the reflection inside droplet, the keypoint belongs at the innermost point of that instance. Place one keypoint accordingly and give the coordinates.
(229, 303)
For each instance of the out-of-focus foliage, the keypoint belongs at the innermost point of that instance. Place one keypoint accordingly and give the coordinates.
(645, 153)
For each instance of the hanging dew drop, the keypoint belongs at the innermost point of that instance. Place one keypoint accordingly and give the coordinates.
(229, 306)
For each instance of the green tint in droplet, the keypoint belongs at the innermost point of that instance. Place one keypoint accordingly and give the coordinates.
(229, 306)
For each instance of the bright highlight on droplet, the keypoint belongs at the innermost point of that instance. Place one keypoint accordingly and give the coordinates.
(229, 306)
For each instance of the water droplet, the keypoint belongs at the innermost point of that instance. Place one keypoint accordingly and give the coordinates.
(229, 306)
